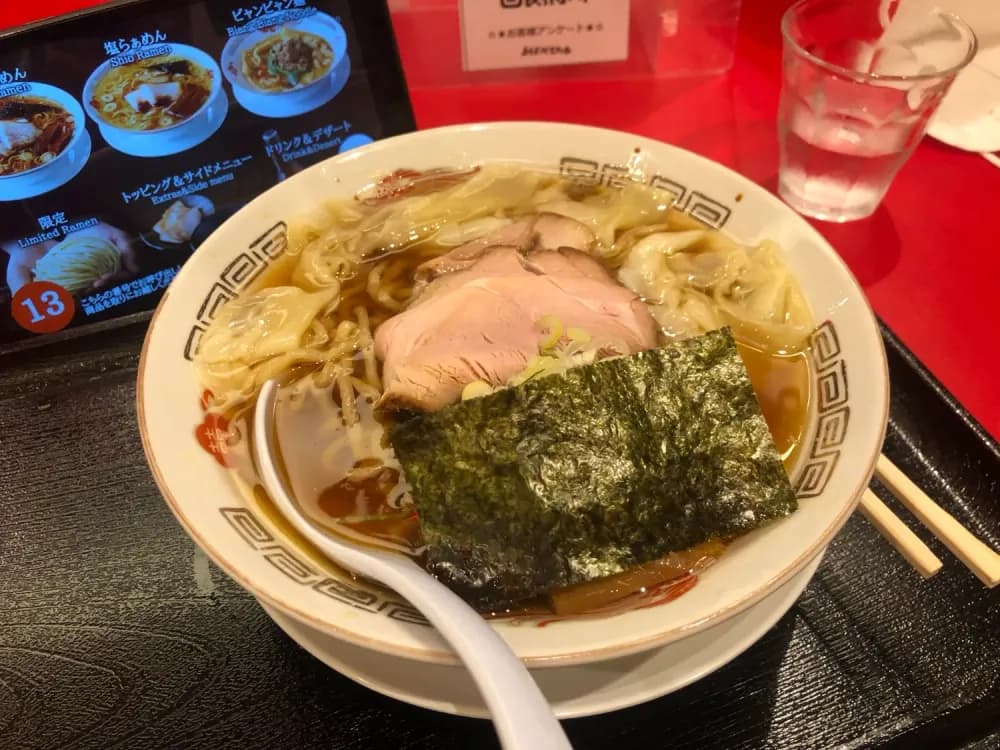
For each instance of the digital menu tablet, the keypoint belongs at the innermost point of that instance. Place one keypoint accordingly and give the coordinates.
(128, 133)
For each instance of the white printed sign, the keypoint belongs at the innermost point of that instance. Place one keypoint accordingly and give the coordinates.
(530, 33)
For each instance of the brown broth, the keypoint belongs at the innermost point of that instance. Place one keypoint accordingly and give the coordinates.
(781, 383)
(597, 595)
(277, 520)
(360, 505)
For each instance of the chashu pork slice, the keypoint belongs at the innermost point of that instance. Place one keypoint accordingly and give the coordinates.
(534, 232)
(481, 322)
(14, 134)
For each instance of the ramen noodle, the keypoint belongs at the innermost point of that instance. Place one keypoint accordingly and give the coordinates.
(429, 288)
(152, 94)
(287, 60)
(33, 131)
(77, 262)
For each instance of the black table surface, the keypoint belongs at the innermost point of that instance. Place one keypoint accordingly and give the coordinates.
(115, 631)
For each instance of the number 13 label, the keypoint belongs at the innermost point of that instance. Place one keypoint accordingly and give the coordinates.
(43, 307)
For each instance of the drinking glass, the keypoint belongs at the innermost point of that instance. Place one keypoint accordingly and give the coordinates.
(861, 80)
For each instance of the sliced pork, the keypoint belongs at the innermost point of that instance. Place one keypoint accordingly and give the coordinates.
(533, 232)
(14, 134)
(481, 322)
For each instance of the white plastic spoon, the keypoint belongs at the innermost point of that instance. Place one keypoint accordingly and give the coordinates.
(521, 715)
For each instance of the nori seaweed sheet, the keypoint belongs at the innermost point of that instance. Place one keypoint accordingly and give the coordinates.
(585, 474)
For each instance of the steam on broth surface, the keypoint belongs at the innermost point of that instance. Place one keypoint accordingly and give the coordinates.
(352, 265)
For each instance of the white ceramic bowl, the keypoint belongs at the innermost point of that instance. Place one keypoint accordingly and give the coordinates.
(572, 691)
(847, 425)
(196, 121)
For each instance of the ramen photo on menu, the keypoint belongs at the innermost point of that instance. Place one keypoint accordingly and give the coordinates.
(152, 94)
(287, 60)
(33, 131)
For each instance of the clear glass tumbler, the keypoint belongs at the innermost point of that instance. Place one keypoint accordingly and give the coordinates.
(861, 80)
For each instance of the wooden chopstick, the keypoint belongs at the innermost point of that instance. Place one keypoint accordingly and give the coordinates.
(898, 534)
(977, 556)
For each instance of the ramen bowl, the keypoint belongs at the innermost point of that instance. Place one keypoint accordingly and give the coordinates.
(303, 97)
(63, 166)
(240, 531)
(318, 25)
(165, 139)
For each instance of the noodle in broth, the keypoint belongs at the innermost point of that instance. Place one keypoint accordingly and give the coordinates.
(287, 60)
(153, 93)
(350, 266)
(36, 130)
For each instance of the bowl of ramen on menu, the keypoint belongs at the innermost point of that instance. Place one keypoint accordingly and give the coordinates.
(290, 68)
(608, 391)
(42, 138)
(152, 95)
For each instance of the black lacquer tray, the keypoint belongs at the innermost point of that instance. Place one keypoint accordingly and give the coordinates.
(114, 633)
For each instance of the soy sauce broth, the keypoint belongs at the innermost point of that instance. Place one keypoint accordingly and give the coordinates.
(336, 473)
(781, 383)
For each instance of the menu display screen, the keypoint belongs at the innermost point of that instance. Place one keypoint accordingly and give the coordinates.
(128, 135)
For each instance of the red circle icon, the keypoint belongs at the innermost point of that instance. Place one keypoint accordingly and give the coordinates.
(42, 307)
